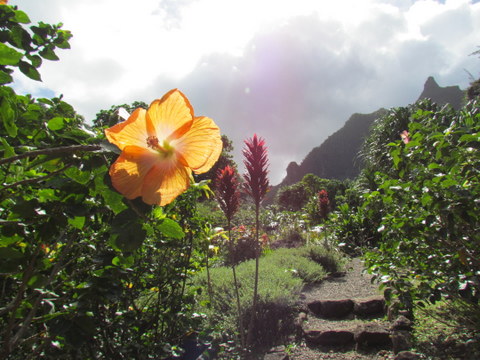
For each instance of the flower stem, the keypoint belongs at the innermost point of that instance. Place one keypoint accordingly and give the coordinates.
(237, 295)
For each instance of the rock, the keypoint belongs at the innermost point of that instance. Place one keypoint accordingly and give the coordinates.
(331, 308)
(407, 355)
(329, 337)
(276, 353)
(402, 323)
(372, 334)
(401, 340)
(370, 306)
(276, 356)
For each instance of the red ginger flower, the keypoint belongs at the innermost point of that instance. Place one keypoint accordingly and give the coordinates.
(256, 163)
(323, 203)
(227, 191)
(161, 147)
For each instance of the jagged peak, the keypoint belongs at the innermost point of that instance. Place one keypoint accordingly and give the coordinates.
(430, 84)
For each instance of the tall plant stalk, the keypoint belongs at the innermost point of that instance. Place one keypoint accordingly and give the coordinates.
(256, 185)
(228, 197)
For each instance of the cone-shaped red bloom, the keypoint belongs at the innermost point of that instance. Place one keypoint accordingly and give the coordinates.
(256, 164)
(323, 203)
(226, 191)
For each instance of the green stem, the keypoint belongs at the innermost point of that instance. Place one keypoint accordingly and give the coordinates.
(237, 294)
(255, 288)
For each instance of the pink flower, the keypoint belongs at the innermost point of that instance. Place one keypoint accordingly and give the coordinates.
(405, 136)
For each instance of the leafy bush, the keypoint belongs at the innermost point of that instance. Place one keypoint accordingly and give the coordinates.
(446, 330)
(423, 201)
(84, 273)
(331, 259)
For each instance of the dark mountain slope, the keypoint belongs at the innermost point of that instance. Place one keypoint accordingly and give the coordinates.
(337, 156)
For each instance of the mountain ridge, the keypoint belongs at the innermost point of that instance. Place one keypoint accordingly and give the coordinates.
(337, 156)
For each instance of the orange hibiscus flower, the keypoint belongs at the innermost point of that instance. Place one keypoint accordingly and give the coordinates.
(161, 147)
(3, 2)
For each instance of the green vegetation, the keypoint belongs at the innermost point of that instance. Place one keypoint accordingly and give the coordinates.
(86, 273)
(282, 274)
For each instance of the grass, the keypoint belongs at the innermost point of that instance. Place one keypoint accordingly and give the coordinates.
(283, 273)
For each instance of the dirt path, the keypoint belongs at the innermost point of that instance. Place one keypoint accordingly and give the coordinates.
(355, 284)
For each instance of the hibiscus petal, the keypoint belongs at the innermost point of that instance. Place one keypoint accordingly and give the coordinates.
(168, 115)
(164, 182)
(130, 132)
(201, 146)
(130, 169)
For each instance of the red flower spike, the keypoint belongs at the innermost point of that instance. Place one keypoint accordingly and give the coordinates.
(323, 203)
(226, 191)
(256, 164)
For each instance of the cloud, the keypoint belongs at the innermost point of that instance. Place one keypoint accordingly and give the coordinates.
(293, 80)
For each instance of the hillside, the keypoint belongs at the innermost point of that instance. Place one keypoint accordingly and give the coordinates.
(337, 156)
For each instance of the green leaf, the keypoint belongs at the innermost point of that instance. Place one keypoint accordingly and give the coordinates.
(48, 54)
(125, 261)
(21, 38)
(9, 253)
(29, 70)
(112, 199)
(171, 229)
(21, 17)
(55, 124)
(5, 241)
(82, 177)
(77, 222)
(8, 117)
(5, 78)
(36, 60)
(9, 56)
(8, 151)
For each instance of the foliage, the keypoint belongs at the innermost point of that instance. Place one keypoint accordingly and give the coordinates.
(422, 200)
(280, 276)
(24, 48)
(304, 195)
(330, 259)
(108, 118)
(84, 272)
(293, 197)
(446, 330)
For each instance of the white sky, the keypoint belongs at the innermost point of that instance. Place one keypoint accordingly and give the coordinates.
(292, 71)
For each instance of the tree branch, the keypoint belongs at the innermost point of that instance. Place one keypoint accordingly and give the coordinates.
(52, 151)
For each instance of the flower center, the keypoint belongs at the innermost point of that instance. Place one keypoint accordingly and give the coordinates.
(165, 149)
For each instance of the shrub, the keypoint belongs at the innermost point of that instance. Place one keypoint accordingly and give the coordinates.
(331, 260)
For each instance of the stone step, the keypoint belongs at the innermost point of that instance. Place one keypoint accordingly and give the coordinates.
(341, 308)
(335, 333)
(364, 335)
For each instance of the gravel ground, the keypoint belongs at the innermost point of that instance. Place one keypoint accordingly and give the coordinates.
(354, 284)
